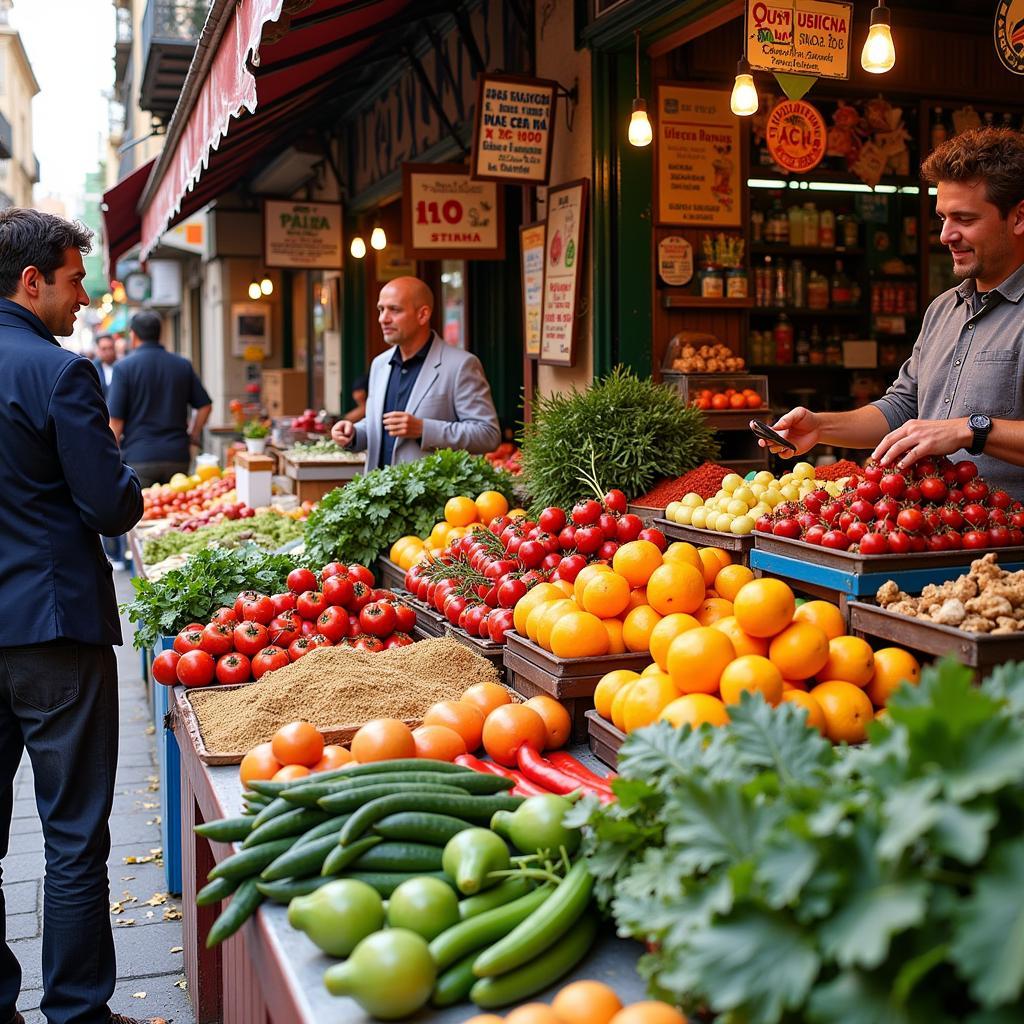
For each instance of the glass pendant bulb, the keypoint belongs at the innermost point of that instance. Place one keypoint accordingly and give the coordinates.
(378, 240)
(254, 290)
(640, 132)
(743, 101)
(266, 285)
(357, 248)
(879, 54)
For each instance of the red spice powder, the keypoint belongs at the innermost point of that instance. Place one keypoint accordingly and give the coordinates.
(705, 480)
(837, 470)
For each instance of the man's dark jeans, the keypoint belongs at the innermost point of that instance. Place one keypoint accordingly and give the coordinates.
(58, 700)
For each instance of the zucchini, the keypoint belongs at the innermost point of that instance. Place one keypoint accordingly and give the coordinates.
(225, 830)
(453, 986)
(419, 826)
(398, 857)
(247, 863)
(242, 906)
(284, 890)
(301, 861)
(330, 827)
(341, 856)
(215, 891)
(308, 794)
(351, 799)
(275, 807)
(490, 899)
(294, 822)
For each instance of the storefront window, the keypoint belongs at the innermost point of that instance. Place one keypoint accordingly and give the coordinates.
(453, 302)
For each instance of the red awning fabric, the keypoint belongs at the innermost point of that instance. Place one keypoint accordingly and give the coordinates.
(121, 225)
(297, 70)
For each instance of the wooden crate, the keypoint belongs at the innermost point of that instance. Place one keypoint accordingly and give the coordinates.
(390, 576)
(737, 546)
(284, 392)
(430, 623)
(604, 739)
(649, 514)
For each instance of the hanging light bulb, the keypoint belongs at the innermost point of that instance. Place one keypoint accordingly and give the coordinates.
(266, 285)
(378, 240)
(358, 247)
(879, 54)
(254, 289)
(640, 132)
(743, 101)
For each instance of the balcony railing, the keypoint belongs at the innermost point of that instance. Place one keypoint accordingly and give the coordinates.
(170, 31)
(123, 42)
(6, 139)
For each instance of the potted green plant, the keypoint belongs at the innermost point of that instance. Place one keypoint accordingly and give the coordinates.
(255, 434)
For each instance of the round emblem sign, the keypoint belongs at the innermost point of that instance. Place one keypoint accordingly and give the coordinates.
(1009, 34)
(796, 135)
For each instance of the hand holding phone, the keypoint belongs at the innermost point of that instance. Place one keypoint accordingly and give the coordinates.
(772, 438)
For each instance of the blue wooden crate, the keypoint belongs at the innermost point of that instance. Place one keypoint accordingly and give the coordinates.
(169, 762)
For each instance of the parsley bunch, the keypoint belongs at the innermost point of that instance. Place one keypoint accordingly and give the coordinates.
(779, 879)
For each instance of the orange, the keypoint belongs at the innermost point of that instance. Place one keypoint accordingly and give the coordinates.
(485, 697)
(579, 635)
(649, 1011)
(533, 1013)
(711, 564)
(684, 554)
(556, 720)
(490, 505)
(438, 536)
(584, 576)
(485, 1018)
(815, 716)
(665, 631)
(460, 511)
(507, 728)
(586, 1002)
(535, 614)
(618, 709)
(764, 607)
(554, 611)
(636, 560)
(334, 757)
(743, 643)
(754, 674)
(637, 597)
(613, 627)
(638, 626)
(383, 739)
(564, 586)
(849, 658)
(697, 659)
(290, 772)
(645, 700)
(794, 684)
(846, 708)
(713, 610)
(460, 716)
(533, 597)
(438, 742)
(298, 743)
(893, 665)
(259, 763)
(823, 614)
(729, 580)
(609, 686)
(652, 669)
(694, 709)
(799, 651)
(605, 594)
(675, 587)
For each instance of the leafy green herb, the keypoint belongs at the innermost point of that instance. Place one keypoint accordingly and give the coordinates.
(267, 530)
(781, 880)
(210, 578)
(356, 522)
(625, 431)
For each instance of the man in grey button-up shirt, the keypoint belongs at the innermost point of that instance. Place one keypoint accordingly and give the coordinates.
(967, 359)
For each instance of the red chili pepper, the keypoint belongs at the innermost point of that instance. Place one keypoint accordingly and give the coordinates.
(567, 763)
(522, 784)
(541, 771)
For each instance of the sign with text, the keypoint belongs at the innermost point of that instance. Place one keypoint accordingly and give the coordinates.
(303, 236)
(563, 269)
(698, 140)
(531, 255)
(448, 215)
(675, 260)
(800, 37)
(1009, 34)
(796, 135)
(514, 129)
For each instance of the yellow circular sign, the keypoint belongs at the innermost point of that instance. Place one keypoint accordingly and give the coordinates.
(796, 135)
(1009, 35)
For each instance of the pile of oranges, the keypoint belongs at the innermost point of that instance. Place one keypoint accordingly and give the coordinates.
(743, 634)
(296, 750)
(729, 398)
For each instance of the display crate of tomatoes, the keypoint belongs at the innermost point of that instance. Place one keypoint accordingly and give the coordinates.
(721, 392)
(603, 738)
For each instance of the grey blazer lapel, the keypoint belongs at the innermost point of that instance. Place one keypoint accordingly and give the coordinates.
(428, 375)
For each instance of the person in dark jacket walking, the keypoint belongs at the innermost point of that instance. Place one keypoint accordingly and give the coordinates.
(65, 484)
(106, 358)
(151, 393)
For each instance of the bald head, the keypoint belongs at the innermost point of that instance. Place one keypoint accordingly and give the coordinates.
(403, 311)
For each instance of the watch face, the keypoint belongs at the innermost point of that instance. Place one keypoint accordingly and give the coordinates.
(979, 422)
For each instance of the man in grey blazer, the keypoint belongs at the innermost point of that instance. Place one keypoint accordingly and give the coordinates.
(423, 394)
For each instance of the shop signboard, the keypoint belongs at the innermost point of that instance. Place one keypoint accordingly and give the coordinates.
(796, 135)
(1009, 34)
(563, 272)
(302, 236)
(513, 129)
(800, 37)
(675, 260)
(250, 330)
(448, 215)
(698, 165)
(531, 254)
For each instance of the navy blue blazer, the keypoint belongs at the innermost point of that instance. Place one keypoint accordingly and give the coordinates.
(64, 484)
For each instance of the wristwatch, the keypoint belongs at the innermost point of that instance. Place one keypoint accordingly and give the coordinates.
(980, 425)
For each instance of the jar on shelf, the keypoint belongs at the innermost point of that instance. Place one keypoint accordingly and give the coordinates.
(817, 291)
(736, 286)
(712, 282)
(782, 335)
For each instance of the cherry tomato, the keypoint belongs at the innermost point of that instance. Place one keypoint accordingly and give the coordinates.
(362, 574)
(360, 596)
(934, 490)
(615, 501)
(552, 519)
(874, 544)
(836, 539)
(225, 615)
(379, 618)
(301, 580)
(910, 519)
(310, 604)
(269, 659)
(217, 639)
(165, 666)
(196, 668)
(282, 602)
(331, 569)
(655, 536)
(405, 618)
(250, 638)
(189, 640)
(965, 471)
(233, 668)
(337, 590)
(975, 539)
(899, 542)
(258, 609)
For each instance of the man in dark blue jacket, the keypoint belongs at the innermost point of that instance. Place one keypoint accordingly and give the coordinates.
(64, 485)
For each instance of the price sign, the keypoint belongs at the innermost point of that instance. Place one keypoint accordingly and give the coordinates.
(448, 215)
(302, 235)
(531, 246)
(513, 129)
(563, 267)
(800, 37)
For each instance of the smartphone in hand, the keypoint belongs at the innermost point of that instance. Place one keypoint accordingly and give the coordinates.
(766, 433)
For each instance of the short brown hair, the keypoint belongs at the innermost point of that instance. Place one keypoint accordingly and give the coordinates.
(992, 155)
(30, 238)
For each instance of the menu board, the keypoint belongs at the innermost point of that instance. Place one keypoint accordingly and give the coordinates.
(698, 142)
(531, 249)
(514, 129)
(563, 265)
(304, 236)
(448, 215)
(800, 37)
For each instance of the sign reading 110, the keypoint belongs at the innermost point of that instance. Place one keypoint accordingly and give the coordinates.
(427, 213)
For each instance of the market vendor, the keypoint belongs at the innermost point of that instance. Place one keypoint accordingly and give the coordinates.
(961, 389)
(423, 394)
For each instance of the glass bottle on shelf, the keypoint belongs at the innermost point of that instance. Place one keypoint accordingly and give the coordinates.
(757, 226)
(842, 293)
(780, 289)
(817, 354)
(851, 231)
(782, 335)
(763, 283)
(908, 237)
(827, 230)
(811, 222)
(802, 350)
(938, 130)
(797, 284)
(795, 220)
(817, 291)
(834, 349)
(778, 224)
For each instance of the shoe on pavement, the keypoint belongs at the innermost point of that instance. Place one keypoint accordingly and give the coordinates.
(120, 1018)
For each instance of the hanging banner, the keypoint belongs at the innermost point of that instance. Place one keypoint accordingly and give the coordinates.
(514, 129)
(303, 236)
(698, 164)
(796, 136)
(531, 255)
(801, 37)
(1009, 34)
(448, 215)
(563, 268)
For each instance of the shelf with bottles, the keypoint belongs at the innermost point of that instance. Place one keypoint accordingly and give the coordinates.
(830, 312)
(803, 225)
(780, 249)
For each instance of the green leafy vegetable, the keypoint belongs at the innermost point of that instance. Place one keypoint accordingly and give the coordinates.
(268, 530)
(779, 879)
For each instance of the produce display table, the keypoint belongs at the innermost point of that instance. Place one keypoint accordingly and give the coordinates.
(313, 478)
(604, 738)
(268, 972)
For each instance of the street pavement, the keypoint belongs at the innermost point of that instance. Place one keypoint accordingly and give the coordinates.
(145, 918)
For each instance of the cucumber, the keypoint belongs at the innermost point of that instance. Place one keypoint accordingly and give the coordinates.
(215, 891)
(490, 899)
(301, 861)
(398, 857)
(386, 882)
(275, 807)
(250, 796)
(247, 863)
(242, 906)
(225, 830)
(352, 799)
(294, 822)
(453, 986)
(417, 826)
(331, 827)
(536, 975)
(308, 794)
(286, 889)
(341, 856)
(268, 788)
(459, 805)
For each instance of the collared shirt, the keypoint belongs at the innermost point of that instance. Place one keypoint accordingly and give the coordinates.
(967, 359)
(400, 384)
